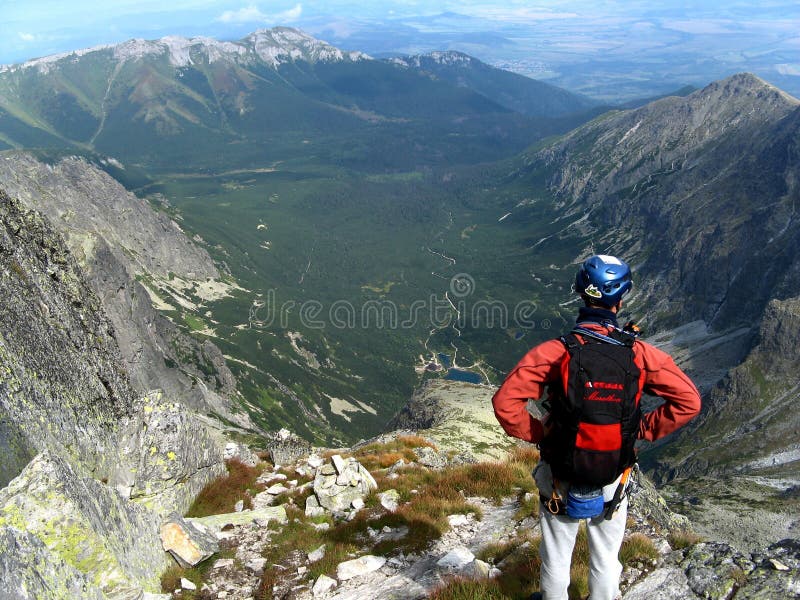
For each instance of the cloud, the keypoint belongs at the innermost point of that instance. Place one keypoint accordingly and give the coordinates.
(248, 14)
(290, 15)
(26, 37)
(253, 14)
(509, 13)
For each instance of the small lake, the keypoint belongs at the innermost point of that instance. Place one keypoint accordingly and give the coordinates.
(467, 376)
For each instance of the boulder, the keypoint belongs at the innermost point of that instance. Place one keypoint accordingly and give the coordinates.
(477, 569)
(286, 448)
(317, 554)
(669, 583)
(359, 566)
(215, 523)
(187, 542)
(240, 452)
(337, 488)
(456, 559)
(323, 585)
(30, 570)
(313, 509)
(714, 569)
(429, 457)
(61, 527)
(390, 499)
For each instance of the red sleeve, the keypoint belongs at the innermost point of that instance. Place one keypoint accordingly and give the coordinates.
(537, 368)
(666, 380)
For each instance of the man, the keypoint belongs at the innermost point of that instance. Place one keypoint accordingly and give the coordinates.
(594, 377)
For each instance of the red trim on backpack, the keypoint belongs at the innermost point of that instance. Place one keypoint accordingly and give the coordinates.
(601, 438)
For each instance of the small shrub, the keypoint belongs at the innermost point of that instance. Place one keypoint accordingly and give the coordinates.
(520, 576)
(490, 480)
(637, 547)
(171, 579)
(221, 495)
(529, 507)
(462, 588)
(683, 539)
(527, 455)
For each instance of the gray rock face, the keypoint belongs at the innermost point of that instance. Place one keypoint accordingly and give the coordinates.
(80, 444)
(770, 580)
(30, 571)
(717, 571)
(669, 583)
(86, 525)
(689, 177)
(62, 387)
(457, 417)
(116, 238)
(171, 455)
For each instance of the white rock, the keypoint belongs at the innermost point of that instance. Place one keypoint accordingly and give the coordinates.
(284, 434)
(359, 566)
(317, 554)
(223, 563)
(390, 500)
(321, 526)
(779, 566)
(457, 558)
(239, 506)
(323, 585)
(277, 489)
(477, 569)
(187, 585)
(273, 477)
(494, 572)
(457, 520)
(338, 463)
(315, 462)
(257, 565)
(292, 483)
(357, 504)
(302, 570)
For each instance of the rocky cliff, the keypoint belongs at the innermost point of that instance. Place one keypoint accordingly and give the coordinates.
(698, 192)
(133, 256)
(457, 416)
(89, 465)
(747, 437)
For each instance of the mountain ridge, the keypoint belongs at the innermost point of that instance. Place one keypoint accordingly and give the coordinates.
(273, 46)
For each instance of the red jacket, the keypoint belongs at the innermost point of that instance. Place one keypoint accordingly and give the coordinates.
(541, 367)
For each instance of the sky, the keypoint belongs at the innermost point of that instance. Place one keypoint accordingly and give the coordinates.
(556, 39)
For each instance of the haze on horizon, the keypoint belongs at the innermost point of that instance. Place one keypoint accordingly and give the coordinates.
(609, 50)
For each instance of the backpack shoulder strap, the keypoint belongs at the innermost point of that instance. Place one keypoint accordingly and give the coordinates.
(615, 337)
(570, 341)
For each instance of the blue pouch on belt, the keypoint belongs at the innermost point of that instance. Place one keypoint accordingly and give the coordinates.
(584, 502)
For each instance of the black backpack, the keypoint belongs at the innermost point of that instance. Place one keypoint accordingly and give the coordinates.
(594, 413)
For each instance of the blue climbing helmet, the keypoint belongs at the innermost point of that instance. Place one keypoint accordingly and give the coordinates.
(604, 279)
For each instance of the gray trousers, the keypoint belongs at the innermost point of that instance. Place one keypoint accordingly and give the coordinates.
(558, 540)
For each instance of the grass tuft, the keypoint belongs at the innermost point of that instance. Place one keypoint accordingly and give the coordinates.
(683, 539)
(637, 547)
(221, 495)
(463, 588)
